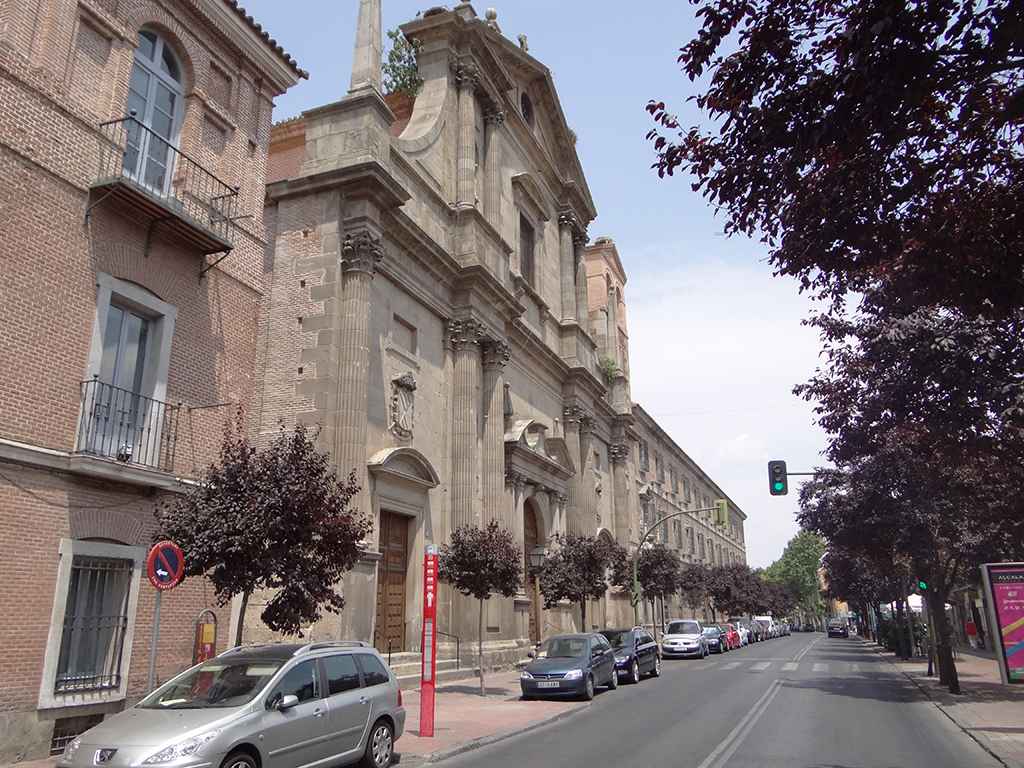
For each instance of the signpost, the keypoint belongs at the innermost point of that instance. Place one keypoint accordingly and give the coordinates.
(1004, 595)
(429, 642)
(165, 567)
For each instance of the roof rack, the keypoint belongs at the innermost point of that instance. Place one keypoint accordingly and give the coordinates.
(331, 644)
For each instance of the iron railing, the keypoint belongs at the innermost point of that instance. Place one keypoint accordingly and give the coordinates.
(139, 155)
(120, 424)
(95, 622)
(458, 648)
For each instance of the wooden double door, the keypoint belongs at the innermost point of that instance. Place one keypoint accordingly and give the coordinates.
(391, 577)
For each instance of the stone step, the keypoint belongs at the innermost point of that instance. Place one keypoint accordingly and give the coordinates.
(412, 682)
(413, 667)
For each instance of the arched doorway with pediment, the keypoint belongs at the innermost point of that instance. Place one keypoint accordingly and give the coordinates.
(533, 539)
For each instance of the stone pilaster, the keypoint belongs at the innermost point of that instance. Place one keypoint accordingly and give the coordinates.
(560, 501)
(496, 355)
(567, 262)
(587, 490)
(361, 252)
(465, 336)
(572, 415)
(466, 79)
(579, 241)
(492, 168)
(618, 455)
(613, 327)
(516, 483)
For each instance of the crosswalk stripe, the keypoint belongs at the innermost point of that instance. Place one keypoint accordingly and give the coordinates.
(731, 665)
(819, 667)
(790, 666)
(761, 666)
(855, 668)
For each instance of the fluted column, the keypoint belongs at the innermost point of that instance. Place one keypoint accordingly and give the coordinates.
(516, 483)
(572, 415)
(360, 253)
(466, 78)
(613, 327)
(558, 514)
(464, 337)
(496, 355)
(618, 455)
(587, 490)
(579, 240)
(567, 264)
(492, 169)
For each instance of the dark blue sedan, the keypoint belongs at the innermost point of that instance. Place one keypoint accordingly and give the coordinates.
(570, 665)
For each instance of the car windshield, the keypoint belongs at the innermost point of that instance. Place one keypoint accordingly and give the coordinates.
(683, 628)
(712, 631)
(619, 638)
(565, 648)
(216, 683)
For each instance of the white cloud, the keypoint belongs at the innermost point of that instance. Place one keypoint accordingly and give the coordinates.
(715, 349)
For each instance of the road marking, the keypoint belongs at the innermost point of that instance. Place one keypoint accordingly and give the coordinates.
(855, 668)
(731, 665)
(760, 667)
(807, 647)
(706, 665)
(819, 667)
(720, 756)
(790, 666)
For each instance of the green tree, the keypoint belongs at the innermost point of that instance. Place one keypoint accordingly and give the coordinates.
(276, 519)
(576, 570)
(481, 562)
(401, 69)
(797, 572)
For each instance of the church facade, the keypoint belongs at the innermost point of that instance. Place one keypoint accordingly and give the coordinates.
(435, 307)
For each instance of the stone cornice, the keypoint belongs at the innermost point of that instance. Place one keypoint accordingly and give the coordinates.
(369, 178)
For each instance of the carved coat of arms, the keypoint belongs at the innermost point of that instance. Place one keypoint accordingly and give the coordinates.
(403, 404)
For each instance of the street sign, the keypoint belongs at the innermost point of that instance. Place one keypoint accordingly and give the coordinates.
(165, 565)
(1004, 596)
(428, 669)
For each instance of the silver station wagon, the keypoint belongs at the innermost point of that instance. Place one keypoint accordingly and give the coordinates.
(264, 706)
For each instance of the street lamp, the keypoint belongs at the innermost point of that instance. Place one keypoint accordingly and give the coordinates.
(536, 557)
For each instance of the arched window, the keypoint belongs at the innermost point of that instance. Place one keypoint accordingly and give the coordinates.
(526, 107)
(155, 99)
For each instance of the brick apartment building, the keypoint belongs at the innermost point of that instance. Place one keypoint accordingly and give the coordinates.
(133, 152)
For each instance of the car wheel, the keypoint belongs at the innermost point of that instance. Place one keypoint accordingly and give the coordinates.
(380, 746)
(525, 697)
(613, 681)
(238, 760)
(656, 671)
(634, 672)
(588, 688)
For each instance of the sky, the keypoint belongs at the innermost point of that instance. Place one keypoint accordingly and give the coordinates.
(716, 343)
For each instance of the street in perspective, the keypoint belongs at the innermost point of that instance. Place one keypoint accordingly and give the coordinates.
(398, 383)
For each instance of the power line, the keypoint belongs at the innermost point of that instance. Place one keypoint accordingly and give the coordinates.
(59, 505)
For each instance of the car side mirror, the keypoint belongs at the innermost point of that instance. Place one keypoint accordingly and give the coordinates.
(287, 702)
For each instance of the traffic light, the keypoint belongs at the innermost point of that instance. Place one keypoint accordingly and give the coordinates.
(721, 512)
(778, 484)
(922, 585)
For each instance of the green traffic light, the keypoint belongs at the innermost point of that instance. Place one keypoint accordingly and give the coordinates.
(779, 485)
(922, 585)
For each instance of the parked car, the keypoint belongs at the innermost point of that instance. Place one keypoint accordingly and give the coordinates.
(732, 637)
(332, 703)
(744, 634)
(715, 640)
(838, 628)
(570, 665)
(768, 625)
(684, 637)
(636, 653)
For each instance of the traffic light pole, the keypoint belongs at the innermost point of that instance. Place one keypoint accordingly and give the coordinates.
(635, 593)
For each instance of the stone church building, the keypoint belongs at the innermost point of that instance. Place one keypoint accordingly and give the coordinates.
(434, 305)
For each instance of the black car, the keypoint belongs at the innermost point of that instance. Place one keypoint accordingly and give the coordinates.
(636, 653)
(570, 665)
(838, 628)
(715, 639)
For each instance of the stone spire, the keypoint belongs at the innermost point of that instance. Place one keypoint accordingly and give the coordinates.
(369, 48)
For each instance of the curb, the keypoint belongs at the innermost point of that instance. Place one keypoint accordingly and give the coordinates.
(938, 705)
(494, 738)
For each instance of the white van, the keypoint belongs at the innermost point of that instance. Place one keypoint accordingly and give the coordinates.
(769, 624)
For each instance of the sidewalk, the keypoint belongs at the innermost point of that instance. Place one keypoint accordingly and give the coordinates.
(987, 710)
(462, 719)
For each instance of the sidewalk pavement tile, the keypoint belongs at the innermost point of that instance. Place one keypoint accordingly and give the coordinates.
(987, 710)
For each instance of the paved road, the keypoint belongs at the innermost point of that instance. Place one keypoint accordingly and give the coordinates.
(803, 701)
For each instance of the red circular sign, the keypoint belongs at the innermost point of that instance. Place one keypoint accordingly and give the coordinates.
(165, 565)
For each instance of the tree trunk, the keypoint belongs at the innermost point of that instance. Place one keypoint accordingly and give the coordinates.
(583, 615)
(241, 619)
(943, 640)
(480, 648)
(903, 642)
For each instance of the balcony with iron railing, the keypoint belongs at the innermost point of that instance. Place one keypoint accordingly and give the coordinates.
(168, 187)
(123, 426)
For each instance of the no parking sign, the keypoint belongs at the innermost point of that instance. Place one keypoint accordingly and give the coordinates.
(165, 567)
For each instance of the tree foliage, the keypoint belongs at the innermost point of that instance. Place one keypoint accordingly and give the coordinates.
(865, 141)
(797, 571)
(576, 569)
(401, 69)
(277, 519)
(481, 562)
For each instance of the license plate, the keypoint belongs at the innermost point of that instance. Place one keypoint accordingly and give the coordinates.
(547, 683)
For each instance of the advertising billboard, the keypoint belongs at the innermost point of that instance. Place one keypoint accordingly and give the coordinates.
(1004, 593)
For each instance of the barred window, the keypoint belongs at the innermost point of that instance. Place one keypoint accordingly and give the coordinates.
(95, 620)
